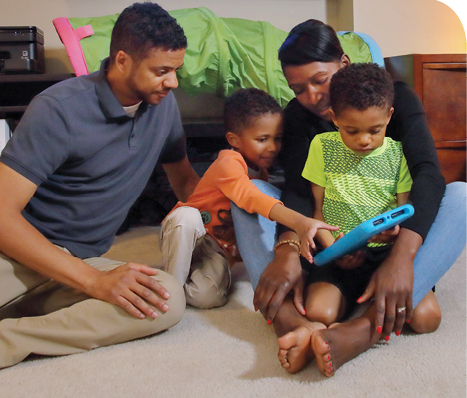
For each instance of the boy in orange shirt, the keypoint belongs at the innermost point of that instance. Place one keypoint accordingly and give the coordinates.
(198, 238)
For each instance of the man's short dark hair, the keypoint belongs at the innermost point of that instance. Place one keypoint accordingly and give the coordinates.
(144, 26)
(246, 104)
(361, 86)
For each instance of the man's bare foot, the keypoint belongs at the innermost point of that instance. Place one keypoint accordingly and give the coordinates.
(295, 347)
(342, 342)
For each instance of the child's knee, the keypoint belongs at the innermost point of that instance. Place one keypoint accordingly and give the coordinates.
(210, 298)
(208, 286)
(188, 218)
(321, 313)
(324, 303)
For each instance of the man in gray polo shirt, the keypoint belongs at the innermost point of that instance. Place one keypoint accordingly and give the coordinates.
(81, 155)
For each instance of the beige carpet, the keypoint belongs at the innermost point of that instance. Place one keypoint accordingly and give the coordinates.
(231, 352)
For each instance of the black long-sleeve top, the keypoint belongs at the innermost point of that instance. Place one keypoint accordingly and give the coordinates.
(408, 125)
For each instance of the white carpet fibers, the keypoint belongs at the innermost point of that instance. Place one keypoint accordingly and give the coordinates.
(231, 352)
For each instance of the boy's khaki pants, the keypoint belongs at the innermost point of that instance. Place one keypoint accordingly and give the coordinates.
(40, 316)
(194, 258)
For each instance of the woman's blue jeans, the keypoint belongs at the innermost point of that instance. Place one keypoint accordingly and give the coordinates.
(256, 237)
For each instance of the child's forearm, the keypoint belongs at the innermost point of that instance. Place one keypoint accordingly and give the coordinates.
(305, 227)
(323, 236)
(402, 198)
(288, 217)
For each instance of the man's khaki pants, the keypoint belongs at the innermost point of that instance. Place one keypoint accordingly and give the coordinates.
(40, 316)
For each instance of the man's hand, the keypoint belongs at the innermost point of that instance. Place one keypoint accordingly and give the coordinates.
(281, 276)
(392, 284)
(131, 287)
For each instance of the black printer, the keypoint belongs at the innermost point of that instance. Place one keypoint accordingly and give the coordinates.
(21, 50)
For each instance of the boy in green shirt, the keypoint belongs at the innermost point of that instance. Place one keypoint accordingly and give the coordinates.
(356, 173)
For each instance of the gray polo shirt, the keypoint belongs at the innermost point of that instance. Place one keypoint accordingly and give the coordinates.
(89, 159)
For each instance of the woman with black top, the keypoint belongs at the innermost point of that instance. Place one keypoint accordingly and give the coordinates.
(425, 247)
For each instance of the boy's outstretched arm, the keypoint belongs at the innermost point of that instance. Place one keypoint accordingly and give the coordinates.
(305, 227)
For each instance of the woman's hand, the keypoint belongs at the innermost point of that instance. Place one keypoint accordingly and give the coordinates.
(392, 284)
(281, 276)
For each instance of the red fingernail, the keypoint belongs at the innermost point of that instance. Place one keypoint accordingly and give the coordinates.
(358, 300)
(386, 338)
(330, 370)
(398, 333)
(329, 357)
(408, 320)
(379, 329)
(269, 321)
(256, 309)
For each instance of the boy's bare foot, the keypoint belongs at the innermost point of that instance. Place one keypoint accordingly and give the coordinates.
(295, 347)
(342, 342)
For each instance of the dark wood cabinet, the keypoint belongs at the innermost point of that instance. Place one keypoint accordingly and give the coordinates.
(440, 82)
(17, 91)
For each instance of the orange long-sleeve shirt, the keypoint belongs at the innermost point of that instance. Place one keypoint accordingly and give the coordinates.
(227, 180)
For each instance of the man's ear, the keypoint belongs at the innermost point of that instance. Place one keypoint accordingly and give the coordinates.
(123, 62)
(233, 139)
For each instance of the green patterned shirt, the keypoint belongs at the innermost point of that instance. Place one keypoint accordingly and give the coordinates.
(356, 187)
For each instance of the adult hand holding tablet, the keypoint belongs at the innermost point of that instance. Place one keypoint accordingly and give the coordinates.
(359, 236)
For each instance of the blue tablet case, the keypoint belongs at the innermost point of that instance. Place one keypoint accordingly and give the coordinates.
(358, 236)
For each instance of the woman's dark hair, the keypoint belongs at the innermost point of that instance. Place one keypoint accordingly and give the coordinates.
(144, 26)
(310, 41)
(246, 104)
(361, 86)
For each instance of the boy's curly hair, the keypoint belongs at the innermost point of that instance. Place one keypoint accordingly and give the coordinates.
(144, 26)
(246, 104)
(361, 86)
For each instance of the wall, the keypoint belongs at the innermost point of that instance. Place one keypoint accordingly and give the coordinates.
(399, 26)
(340, 14)
(283, 14)
(410, 26)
